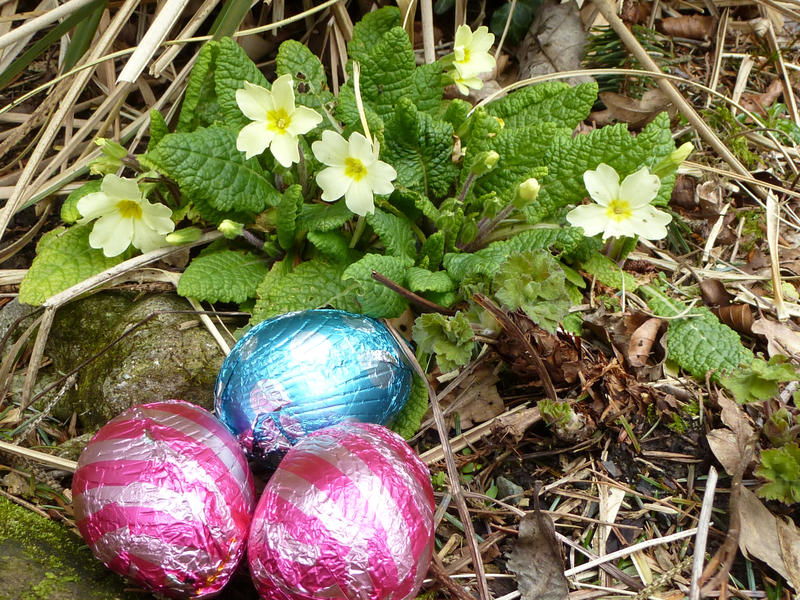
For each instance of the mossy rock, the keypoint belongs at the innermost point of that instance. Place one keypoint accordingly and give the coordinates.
(159, 360)
(42, 560)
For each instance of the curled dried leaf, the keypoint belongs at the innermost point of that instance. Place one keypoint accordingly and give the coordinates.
(736, 316)
(693, 27)
(714, 293)
(642, 340)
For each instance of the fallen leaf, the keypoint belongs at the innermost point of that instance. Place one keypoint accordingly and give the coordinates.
(714, 293)
(759, 535)
(789, 541)
(781, 339)
(694, 27)
(478, 398)
(736, 316)
(642, 340)
(536, 559)
(637, 113)
(728, 444)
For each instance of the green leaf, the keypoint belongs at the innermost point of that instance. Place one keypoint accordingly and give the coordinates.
(288, 209)
(406, 423)
(759, 380)
(200, 107)
(82, 36)
(553, 102)
(69, 210)
(229, 18)
(699, 343)
(377, 300)
(569, 158)
(323, 217)
(233, 68)
(432, 251)
(781, 468)
(368, 32)
(223, 276)
(63, 258)
(333, 245)
(609, 273)
(485, 262)
(534, 282)
(395, 232)
(158, 129)
(311, 284)
(206, 164)
(423, 280)
(420, 149)
(450, 339)
(308, 74)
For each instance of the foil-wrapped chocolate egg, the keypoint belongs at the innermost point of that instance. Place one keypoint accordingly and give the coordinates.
(347, 514)
(163, 495)
(303, 371)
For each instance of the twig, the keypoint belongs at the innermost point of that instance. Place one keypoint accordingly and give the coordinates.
(452, 470)
(428, 41)
(25, 429)
(702, 534)
(425, 304)
(42, 21)
(41, 457)
(441, 577)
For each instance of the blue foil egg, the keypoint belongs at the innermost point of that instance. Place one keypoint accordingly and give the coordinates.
(302, 371)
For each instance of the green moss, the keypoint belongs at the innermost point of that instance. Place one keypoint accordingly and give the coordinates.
(41, 560)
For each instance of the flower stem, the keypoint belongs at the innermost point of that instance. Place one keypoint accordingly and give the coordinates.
(511, 231)
(486, 226)
(360, 225)
(616, 249)
(251, 239)
(302, 170)
(465, 188)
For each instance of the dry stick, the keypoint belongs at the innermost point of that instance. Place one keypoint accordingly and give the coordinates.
(42, 21)
(40, 457)
(428, 41)
(441, 577)
(702, 534)
(788, 93)
(609, 11)
(452, 470)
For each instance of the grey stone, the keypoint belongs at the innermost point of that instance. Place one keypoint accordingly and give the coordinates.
(506, 488)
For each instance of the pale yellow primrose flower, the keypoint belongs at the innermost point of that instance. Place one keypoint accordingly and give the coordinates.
(124, 217)
(471, 57)
(621, 209)
(353, 171)
(276, 120)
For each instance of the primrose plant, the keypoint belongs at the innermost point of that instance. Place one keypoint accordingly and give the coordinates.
(326, 196)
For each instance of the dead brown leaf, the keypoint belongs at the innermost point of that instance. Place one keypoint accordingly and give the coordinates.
(728, 444)
(714, 293)
(760, 536)
(478, 398)
(637, 113)
(693, 27)
(536, 559)
(642, 340)
(781, 338)
(789, 541)
(736, 316)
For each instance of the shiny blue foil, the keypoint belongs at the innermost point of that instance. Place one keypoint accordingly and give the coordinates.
(303, 371)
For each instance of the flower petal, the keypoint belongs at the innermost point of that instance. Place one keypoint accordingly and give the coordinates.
(652, 223)
(359, 198)
(283, 93)
(304, 119)
(284, 149)
(640, 188)
(626, 228)
(482, 40)
(334, 183)
(592, 217)
(602, 184)
(120, 188)
(254, 101)
(331, 150)
(95, 205)
(254, 138)
(361, 148)
(112, 233)
(478, 63)
(145, 239)
(156, 216)
(380, 177)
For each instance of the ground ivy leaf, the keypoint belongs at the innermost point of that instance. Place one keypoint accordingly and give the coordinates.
(223, 276)
(395, 233)
(376, 299)
(69, 209)
(407, 422)
(333, 245)
(288, 208)
(323, 217)
(534, 282)
(423, 280)
(450, 339)
(369, 31)
(699, 343)
(311, 284)
(609, 273)
(555, 102)
(200, 107)
(63, 258)
(308, 74)
(206, 164)
(233, 68)
(569, 158)
(420, 149)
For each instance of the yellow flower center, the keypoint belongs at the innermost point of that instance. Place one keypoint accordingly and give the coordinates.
(278, 120)
(354, 168)
(466, 55)
(619, 210)
(129, 209)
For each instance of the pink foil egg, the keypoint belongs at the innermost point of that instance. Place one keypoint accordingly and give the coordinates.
(163, 495)
(348, 514)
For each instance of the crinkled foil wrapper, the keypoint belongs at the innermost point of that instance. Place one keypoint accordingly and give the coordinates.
(163, 495)
(303, 371)
(348, 514)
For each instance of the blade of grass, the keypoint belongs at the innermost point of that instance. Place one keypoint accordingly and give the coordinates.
(230, 17)
(83, 35)
(41, 21)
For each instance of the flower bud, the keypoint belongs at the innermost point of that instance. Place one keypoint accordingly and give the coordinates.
(527, 192)
(484, 162)
(670, 164)
(111, 148)
(230, 229)
(183, 236)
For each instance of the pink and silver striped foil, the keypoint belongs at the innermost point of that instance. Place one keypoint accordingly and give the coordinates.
(348, 514)
(163, 495)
